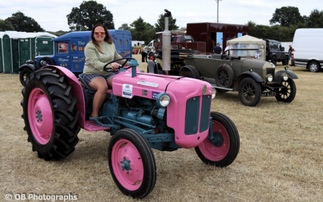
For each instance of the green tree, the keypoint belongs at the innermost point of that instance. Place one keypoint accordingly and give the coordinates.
(20, 22)
(286, 16)
(141, 30)
(125, 26)
(5, 25)
(315, 19)
(88, 15)
(160, 25)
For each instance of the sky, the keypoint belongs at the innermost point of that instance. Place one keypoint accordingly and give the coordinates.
(51, 14)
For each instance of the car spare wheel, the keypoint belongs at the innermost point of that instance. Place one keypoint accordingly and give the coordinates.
(224, 76)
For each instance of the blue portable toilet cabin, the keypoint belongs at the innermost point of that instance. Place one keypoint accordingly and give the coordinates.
(69, 49)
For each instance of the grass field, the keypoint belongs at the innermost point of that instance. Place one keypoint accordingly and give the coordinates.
(280, 158)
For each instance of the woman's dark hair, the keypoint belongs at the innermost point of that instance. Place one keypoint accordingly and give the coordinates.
(107, 37)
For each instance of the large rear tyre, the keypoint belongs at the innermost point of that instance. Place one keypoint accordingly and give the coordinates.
(287, 92)
(50, 114)
(132, 163)
(223, 143)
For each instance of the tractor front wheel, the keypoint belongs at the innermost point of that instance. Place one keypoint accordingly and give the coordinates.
(132, 163)
(223, 143)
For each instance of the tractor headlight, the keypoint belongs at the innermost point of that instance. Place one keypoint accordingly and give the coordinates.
(163, 99)
(270, 77)
(285, 76)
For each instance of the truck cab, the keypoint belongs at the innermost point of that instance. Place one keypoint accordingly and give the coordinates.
(69, 49)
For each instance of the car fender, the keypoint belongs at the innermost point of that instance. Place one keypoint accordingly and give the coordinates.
(192, 69)
(290, 74)
(245, 74)
(27, 66)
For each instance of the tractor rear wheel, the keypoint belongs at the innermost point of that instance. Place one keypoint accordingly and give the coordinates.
(50, 114)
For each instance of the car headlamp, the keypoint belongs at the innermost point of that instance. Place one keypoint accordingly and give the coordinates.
(285, 76)
(269, 77)
(213, 93)
(163, 99)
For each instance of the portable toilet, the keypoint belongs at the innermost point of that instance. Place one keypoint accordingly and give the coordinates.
(1, 53)
(10, 51)
(18, 47)
(43, 44)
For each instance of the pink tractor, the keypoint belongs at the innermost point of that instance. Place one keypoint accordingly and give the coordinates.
(142, 111)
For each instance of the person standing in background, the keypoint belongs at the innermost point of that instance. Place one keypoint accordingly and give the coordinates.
(143, 53)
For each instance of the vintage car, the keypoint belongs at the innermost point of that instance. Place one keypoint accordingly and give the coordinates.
(250, 77)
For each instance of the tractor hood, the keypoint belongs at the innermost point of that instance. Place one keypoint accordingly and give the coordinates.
(150, 85)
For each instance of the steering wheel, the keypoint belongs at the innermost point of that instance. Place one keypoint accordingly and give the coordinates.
(109, 69)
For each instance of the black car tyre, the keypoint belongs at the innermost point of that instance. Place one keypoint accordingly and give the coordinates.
(314, 66)
(189, 71)
(285, 61)
(23, 75)
(274, 60)
(224, 76)
(249, 92)
(287, 92)
(176, 67)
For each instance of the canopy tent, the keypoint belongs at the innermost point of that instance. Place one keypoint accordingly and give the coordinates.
(247, 46)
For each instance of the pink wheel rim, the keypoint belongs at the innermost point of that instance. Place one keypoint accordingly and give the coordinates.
(212, 152)
(127, 164)
(40, 116)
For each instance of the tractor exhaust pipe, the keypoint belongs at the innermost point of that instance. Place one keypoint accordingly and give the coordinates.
(166, 46)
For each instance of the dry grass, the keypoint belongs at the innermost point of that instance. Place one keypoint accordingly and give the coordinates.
(280, 158)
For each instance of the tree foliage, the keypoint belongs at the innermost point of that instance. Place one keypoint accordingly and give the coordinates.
(286, 16)
(315, 19)
(89, 14)
(5, 25)
(160, 25)
(20, 22)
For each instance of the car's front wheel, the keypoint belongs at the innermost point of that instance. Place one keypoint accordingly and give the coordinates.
(287, 92)
(249, 92)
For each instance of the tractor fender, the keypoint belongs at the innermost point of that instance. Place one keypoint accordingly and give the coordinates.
(290, 74)
(76, 89)
(245, 74)
(189, 68)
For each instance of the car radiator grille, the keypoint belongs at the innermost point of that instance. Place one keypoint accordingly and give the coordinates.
(197, 114)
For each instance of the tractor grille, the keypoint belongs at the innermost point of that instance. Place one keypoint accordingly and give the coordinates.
(197, 114)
